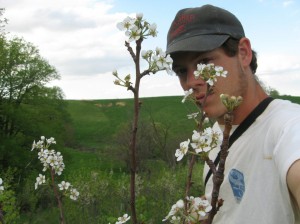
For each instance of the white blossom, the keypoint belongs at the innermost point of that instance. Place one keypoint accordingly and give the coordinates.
(184, 146)
(192, 115)
(187, 93)
(51, 141)
(74, 194)
(206, 140)
(146, 54)
(196, 207)
(41, 179)
(134, 33)
(64, 185)
(209, 73)
(123, 219)
(126, 24)
(152, 29)
(175, 209)
(1, 187)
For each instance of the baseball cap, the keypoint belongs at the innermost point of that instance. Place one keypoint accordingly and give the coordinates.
(202, 29)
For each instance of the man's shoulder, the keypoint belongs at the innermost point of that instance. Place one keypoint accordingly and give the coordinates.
(281, 113)
(280, 106)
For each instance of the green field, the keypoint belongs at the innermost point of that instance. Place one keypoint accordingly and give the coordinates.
(96, 159)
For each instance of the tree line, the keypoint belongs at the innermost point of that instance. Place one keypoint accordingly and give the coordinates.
(28, 109)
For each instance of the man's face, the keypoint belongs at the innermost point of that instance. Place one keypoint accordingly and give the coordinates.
(184, 65)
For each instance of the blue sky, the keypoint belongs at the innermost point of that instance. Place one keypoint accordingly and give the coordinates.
(81, 40)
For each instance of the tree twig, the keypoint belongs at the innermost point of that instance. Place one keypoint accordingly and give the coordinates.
(58, 198)
(219, 175)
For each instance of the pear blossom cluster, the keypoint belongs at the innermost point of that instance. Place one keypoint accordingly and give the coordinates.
(209, 73)
(197, 209)
(1, 187)
(202, 142)
(52, 161)
(136, 28)
(49, 158)
(231, 102)
(68, 189)
(206, 140)
(158, 60)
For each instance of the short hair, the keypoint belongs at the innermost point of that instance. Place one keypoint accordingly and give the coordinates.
(231, 48)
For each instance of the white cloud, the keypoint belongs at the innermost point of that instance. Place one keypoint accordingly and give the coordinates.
(80, 38)
(280, 71)
(278, 62)
(287, 3)
(77, 37)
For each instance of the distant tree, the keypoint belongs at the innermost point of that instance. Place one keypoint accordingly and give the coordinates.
(272, 92)
(269, 90)
(23, 73)
(3, 21)
(28, 108)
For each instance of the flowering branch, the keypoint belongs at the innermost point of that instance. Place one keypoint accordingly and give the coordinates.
(53, 161)
(203, 141)
(138, 29)
(218, 176)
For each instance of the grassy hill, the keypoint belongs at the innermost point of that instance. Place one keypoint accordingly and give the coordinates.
(98, 124)
(97, 121)
(96, 161)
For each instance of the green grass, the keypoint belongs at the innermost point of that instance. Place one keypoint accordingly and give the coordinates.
(294, 99)
(97, 121)
(94, 166)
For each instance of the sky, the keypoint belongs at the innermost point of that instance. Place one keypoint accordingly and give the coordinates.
(81, 40)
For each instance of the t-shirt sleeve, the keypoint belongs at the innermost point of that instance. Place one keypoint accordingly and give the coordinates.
(287, 149)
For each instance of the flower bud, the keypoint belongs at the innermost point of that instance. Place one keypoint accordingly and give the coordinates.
(115, 73)
(117, 82)
(139, 15)
(127, 78)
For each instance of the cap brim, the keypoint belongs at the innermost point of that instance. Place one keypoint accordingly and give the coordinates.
(198, 43)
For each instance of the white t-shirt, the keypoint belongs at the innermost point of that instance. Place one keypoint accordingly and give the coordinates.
(254, 188)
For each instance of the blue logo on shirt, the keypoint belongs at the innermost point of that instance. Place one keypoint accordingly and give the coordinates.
(236, 180)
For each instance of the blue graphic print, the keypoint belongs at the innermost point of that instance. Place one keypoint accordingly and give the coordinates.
(236, 180)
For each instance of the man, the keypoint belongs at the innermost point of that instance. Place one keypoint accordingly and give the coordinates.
(262, 170)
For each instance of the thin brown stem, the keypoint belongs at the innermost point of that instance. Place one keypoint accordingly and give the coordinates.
(58, 198)
(146, 72)
(133, 149)
(129, 48)
(189, 182)
(219, 175)
(211, 165)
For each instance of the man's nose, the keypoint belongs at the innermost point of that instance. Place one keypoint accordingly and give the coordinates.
(192, 81)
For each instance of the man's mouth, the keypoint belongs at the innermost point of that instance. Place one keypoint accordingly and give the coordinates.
(202, 97)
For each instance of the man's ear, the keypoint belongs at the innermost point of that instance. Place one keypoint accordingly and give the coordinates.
(245, 52)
